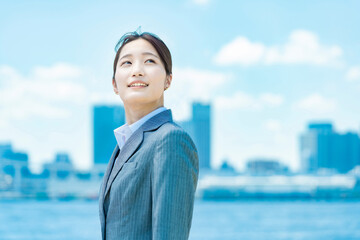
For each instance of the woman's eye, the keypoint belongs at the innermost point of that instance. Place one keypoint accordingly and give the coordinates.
(126, 63)
(150, 60)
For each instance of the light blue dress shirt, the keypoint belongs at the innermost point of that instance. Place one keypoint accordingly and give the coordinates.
(124, 132)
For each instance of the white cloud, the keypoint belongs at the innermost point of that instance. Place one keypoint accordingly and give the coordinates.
(302, 47)
(190, 85)
(57, 71)
(240, 51)
(353, 74)
(42, 93)
(317, 103)
(8, 73)
(35, 108)
(241, 100)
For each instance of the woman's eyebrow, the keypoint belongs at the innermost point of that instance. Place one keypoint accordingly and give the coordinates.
(144, 53)
(149, 53)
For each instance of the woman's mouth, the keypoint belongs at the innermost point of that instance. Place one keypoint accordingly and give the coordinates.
(138, 85)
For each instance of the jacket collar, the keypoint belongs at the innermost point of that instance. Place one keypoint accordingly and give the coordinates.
(156, 121)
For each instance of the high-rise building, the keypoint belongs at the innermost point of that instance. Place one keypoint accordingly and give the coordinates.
(199, 128)
(315, 147)
(106, 119)
(322, 148)
(202, 128)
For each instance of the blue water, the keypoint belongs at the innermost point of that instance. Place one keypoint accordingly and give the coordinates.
(28, 219)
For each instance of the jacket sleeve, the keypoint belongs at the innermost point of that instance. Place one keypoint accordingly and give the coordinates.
(174, 178)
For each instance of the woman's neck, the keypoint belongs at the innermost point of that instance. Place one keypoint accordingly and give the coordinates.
(135, 113)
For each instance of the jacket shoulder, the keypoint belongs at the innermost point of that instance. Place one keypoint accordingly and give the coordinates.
(171, 128)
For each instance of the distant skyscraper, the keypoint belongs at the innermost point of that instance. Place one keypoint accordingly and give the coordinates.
(322, 147)
(199, 128)
(202, 128)
(106, 119)
(315, 147)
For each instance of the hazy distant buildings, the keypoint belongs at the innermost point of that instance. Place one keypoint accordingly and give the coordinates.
(64, 181)
(105, 120)
(199, 128)
(322, 148)
(7, 152)
(227, 166)
(61, 167)
(265, 166)
(14, 168)
(13, 163)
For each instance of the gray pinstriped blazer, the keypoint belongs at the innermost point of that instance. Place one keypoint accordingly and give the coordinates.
(149, 186)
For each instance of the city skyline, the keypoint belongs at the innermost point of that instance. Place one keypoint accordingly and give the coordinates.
(267, 68)
(316, 149)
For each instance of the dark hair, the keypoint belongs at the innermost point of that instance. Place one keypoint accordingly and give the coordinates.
(154, 40)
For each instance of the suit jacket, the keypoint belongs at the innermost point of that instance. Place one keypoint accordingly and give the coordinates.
(149, 186)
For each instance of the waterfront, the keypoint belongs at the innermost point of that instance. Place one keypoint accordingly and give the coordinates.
(223, 220)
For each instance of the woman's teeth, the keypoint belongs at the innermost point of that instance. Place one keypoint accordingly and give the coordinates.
(138, 85)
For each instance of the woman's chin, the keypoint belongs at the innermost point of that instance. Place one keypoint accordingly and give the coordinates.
(136, 100)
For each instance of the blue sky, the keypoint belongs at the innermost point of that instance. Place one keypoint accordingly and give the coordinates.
(267, 67)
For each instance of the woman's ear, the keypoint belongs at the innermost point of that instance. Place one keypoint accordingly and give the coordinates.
(168, 81)
(114, 86)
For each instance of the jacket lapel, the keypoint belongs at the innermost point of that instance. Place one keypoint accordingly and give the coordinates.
(132, 144)
(108, 171)
(128, 149)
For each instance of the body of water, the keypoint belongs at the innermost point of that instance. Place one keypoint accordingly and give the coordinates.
(320, 220)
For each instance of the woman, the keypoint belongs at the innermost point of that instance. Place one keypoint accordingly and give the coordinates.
(149, 186)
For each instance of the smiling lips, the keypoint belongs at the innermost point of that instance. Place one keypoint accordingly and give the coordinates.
(138, 84)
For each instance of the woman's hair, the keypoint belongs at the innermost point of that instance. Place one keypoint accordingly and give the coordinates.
(154, 40)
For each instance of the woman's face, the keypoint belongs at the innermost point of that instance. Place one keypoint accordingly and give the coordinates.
(140, 63)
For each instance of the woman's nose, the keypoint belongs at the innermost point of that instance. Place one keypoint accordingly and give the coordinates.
(137, 70)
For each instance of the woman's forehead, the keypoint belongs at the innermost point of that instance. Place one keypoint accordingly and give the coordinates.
(138, 47)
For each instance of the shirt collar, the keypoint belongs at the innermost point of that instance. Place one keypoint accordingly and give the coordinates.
(123, 133)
